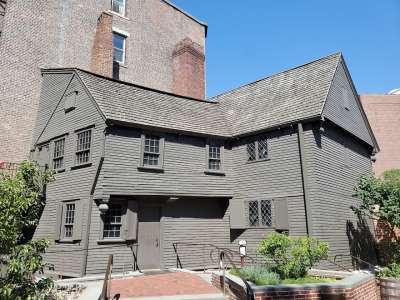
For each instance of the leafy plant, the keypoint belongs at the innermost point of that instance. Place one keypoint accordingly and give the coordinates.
(292, 257)
(21, 204)
(392, 270)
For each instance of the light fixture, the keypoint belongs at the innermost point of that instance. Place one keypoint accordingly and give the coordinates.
(103, 207)
(172, 199)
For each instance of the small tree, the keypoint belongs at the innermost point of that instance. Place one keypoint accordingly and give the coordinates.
(292, 257)
(380, 200)
(21, 205)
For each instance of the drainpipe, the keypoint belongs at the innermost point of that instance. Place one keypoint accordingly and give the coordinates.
(305, 179)
(89, 216)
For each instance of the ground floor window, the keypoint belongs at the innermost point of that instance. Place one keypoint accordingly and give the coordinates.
(113, 222)
(259, 213)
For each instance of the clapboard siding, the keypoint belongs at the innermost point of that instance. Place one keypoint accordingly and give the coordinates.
(184, 166)
(352, 119)
(72, 184)
(338, 160)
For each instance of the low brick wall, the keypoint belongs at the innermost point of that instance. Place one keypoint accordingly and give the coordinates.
(356, 286)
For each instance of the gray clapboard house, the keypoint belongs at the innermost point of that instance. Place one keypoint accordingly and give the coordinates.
(139, 170)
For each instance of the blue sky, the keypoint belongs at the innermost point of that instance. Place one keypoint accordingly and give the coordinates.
(249, 40)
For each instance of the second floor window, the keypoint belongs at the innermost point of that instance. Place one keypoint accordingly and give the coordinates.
(151, 151)
(118, 48)
(69, 220)
(118, 6)
(84, 139)
(58, 154)
(214, 157)
(257, 150)
(113, 222)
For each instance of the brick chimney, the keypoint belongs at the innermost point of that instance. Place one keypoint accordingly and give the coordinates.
(188, 69)
(102, 50)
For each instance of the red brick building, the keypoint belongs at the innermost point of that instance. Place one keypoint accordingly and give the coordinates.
(383, 112)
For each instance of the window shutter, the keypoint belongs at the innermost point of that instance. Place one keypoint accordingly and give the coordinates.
(57, 228)
(131, 220)
(77, 233)
(281, 214)
(237, 214)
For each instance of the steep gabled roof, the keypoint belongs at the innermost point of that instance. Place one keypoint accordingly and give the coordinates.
(129, 103)
(290, 96)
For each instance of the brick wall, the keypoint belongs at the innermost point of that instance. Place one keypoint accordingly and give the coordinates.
(383, 112)
(102, 51)
(366, 290)
(188, 69)
(57, 33)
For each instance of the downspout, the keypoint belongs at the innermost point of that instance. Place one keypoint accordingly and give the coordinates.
(89, 216)
(305, 179)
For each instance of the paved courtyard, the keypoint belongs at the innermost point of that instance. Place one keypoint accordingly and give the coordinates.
(178, 284)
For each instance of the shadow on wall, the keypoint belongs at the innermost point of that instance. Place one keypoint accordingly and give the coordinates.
(362, 244)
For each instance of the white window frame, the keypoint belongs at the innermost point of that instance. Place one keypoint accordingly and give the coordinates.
(213, 143)
(62, 157)
(123, 13)
(125, 36)
(161, 146)
(83, 150)
(64, 217)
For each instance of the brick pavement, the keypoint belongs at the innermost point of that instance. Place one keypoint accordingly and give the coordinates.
(177, 283)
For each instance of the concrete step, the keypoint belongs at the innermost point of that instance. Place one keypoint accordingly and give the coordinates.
(217, 296)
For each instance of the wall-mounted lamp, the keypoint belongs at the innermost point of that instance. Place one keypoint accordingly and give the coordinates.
(103, 208)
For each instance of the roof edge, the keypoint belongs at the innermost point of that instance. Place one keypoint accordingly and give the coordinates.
(188, 15)
(74, 69)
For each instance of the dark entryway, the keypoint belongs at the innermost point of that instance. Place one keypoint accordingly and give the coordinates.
(149, 237)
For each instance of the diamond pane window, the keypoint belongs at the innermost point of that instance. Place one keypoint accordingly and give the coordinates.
(119, 48)
(151, 151)
(113, 222)
(262, 149)
(118, 6)
(58, 154)
(251, 151)
(214, 157)
(69, 220)
(83, 147)
(253, 213)
(266, 213)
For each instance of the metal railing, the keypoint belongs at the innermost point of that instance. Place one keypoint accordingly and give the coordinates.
(372, 267)
(106, 291)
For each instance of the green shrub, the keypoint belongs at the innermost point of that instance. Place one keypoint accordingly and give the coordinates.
(392, 270)
(258, 274)
(292, 257)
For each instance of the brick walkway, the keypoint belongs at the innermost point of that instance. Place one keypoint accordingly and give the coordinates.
(170, 284)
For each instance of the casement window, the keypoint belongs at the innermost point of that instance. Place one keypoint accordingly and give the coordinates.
(118, 6)
(119, 48)
(68, 221)
(113, 222)
(257, 150)
(152, 151)
(83, 144)
(259, 213)
(58, 154)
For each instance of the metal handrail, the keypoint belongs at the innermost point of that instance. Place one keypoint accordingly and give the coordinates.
(373, 267)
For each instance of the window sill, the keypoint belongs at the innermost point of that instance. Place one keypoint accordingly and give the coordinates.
(81, 166)
(111, 241)
(59, 171)
(258, 160)
(66, 242)
(213, 172)
(117, 14)
(150, 169)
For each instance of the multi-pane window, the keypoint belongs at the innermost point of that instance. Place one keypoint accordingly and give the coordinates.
(118, 48)
(260, 213)
(58, 153)
(84, 139)
(113, 222)
(118, 6)
(257, 150)
(151, 151)
(69, 220)
(214, 157)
